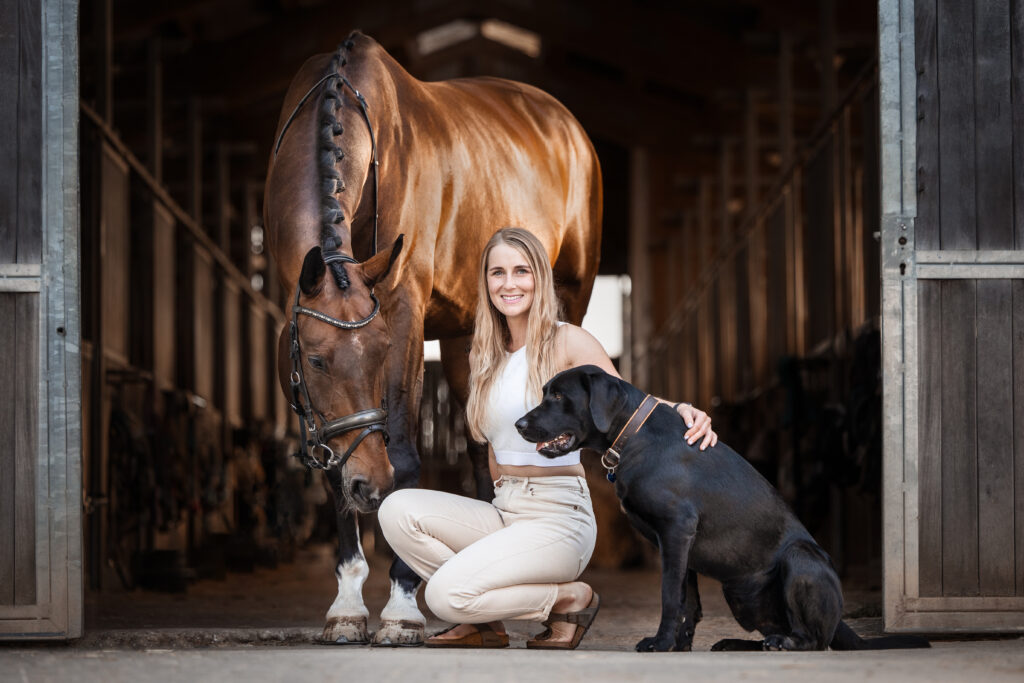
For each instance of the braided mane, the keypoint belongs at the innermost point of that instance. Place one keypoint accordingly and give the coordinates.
(329, 153)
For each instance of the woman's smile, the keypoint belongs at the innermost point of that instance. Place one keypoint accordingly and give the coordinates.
(510, 282)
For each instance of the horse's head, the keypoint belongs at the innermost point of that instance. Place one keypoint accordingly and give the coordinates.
(332, 365)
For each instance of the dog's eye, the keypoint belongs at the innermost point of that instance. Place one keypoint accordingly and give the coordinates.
(556, 396)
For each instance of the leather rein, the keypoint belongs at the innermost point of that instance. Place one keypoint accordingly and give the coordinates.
(314, 452)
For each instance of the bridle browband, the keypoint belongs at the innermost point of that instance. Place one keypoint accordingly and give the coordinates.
(315, 438)
(372, 420)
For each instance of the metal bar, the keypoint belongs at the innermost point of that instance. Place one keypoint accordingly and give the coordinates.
(894, 17)
(951, 257)
(20, 284)
(20, 270)
(977, 271)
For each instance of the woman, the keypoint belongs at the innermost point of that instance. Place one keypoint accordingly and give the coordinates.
(518, 557)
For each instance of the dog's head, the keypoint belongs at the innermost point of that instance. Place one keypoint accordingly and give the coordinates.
(577, 411)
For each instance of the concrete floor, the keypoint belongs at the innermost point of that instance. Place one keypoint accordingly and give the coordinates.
(263, 627)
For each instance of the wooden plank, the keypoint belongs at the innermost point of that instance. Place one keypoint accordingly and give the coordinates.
(930, 337)
(8, 403)
(972, 604)
(1017, 78)
(115, 251)
(818, 251)
(776, 278)
(958, 229)
(871, 209)
(164, 288)
(204, 325)
(959, 439)
(995, 438)
(1018, 430)
(993, 114)
(30, 133)
(9, 76)
(26, 426)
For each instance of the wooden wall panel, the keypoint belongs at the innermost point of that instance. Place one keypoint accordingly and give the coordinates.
(19, 423)
(164, 288)
(115, 250)
(995, 435)
(818, 249)
(1018, 430)
(8, 403)
(959, 439)
(21, 124)
(254, 374)
(203, 294)
(927, 226)
(775, 285)
(229, 358)
(956, 140)
(26, 437)
(1017, 82)
(741, 333)
(993, 122)
(930, 335)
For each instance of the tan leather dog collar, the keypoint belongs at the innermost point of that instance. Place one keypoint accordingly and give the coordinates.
(611, 457)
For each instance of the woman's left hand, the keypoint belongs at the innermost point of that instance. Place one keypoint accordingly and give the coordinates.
(699, 424)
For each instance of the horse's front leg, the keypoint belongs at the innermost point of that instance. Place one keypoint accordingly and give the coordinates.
(401, 621)
(346, 618)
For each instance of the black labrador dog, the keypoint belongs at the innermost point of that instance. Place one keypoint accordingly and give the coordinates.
(706, 511)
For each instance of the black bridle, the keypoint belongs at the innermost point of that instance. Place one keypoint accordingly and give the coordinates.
(315, 452)
(315, 438)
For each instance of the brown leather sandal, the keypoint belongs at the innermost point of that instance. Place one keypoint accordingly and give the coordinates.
(583, 619)
(483, 636)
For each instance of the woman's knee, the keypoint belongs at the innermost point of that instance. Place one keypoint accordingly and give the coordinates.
(448, 597)
(395, 515)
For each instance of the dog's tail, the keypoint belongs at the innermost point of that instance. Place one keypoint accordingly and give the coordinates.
(846, 639)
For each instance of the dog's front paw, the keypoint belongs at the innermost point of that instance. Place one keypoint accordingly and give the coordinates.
(774, 643)
(655, 644)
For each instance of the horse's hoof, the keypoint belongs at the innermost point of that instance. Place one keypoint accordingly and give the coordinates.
(346, 631)
(395, 633)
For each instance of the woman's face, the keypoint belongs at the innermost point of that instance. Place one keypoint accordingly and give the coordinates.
(509, 281)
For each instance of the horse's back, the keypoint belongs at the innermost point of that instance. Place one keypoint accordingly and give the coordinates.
(513, 155)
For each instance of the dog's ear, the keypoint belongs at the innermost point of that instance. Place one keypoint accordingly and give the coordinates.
(606, 399)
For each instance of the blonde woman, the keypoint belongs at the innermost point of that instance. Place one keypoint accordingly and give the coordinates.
(519, 556)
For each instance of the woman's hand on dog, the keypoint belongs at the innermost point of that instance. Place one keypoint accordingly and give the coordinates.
(699, 424)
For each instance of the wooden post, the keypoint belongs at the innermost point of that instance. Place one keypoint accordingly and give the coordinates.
(103, 32)
(223, 228)
(639, 191)
(155, 106)
(751, 166)
(195, 161)
(786, 100)
(827, 31)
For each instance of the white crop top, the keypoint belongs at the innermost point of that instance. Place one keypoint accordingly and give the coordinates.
(509, 402)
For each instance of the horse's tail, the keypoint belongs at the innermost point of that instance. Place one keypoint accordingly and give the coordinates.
(846, 639)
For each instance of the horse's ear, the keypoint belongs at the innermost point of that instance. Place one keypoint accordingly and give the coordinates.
(377, 267)
(606, 399)
(311, 279)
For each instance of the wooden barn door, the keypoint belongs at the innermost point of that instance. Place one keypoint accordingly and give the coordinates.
(953, 313)
(40, 367)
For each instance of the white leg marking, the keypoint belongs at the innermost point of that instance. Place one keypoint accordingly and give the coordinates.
(351, 575)
(346, 618)
(401, 622)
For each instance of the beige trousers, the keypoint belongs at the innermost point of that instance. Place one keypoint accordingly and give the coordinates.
(491, 561)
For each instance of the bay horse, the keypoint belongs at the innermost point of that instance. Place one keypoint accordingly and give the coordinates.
(366, 155)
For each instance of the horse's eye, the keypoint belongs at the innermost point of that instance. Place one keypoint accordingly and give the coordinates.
(317, 362)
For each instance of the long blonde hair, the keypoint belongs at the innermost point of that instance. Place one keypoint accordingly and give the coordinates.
(491, 335)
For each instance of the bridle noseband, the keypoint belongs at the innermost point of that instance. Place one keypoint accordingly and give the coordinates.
(315, 438)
